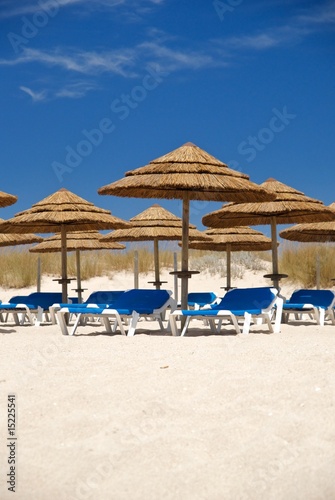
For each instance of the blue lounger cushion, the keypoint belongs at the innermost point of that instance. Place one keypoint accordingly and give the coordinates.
(315, 302)
(239, 302)
(131, 304)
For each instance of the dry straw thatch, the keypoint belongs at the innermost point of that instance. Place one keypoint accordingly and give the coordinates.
(154, 224)
(7, 240)
(62, 208)
(233, 240)
(7, 199)
(187, 173)
(77, 241)
(80, 240)
(312, 232)
(61, 212)
(289, 206)
(187, 169)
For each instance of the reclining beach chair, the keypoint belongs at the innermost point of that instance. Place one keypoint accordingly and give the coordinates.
(131, 305)
(33, 307)
(102, 298)
(238, 303)
(318, 304)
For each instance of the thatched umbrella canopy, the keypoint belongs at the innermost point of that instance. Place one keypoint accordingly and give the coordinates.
(317, 232)
(235, 239)
(7, 240)
(61, 212)
(289, 206)
(311, 232)
(7, 199)
(77, 241)
(187, 173)
(154, 224)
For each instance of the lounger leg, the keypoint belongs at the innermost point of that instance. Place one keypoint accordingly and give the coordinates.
(317, 315)
(173, 324)
(331, 315)
(52, 311)
(39, 316)
(62, 322)
(107, 324)
(187, 322)
(278, 315)
(214, 328)
(75, 326)
(133, 323)
(267, 319)
(321, 317)
(246, 324)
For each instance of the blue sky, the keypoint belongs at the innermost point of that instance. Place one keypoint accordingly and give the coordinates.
(91, 89)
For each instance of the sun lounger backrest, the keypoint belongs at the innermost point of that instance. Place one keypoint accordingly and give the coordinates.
(44, 299)
(246, 298)
(142, 299)
(319, 298)
(200, 298)
(104, 297)
(19, 299)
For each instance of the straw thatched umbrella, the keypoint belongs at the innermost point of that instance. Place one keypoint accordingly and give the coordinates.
(317, 232)
(186, 173)
(234, 239)
(289, 206)
(62, 212)
(7, 199)
(77, 241)
(154, 224)
(311, 232)
(7, 240)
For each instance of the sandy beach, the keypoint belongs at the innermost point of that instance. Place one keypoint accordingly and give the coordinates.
(103, 416)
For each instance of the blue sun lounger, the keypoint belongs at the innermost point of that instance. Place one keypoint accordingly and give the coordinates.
(31, 307)
(130, 306)
(102, 298)
(318, 304)
(239, 303)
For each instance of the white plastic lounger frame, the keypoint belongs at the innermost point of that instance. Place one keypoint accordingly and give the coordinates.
(266, 315)
(106, 315)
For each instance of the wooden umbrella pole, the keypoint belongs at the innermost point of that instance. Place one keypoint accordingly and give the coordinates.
(79, 289)
(135, 269)
(274, 250)
(156, 259)
(184, 254)
(228, 267)
(64, 264)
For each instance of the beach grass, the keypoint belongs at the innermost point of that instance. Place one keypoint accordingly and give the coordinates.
(299, 261)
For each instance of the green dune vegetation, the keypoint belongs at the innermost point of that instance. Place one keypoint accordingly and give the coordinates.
(299, 261)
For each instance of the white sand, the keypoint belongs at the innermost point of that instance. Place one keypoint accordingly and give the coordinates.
(156, 417)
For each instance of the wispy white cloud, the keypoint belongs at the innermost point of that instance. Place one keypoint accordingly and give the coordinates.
(74, 90)
(320, 14)
(283, 35)
(298, 27)
(176, 59)
(30, 7)
(86, 62)
(127, 62)
(36, 96)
